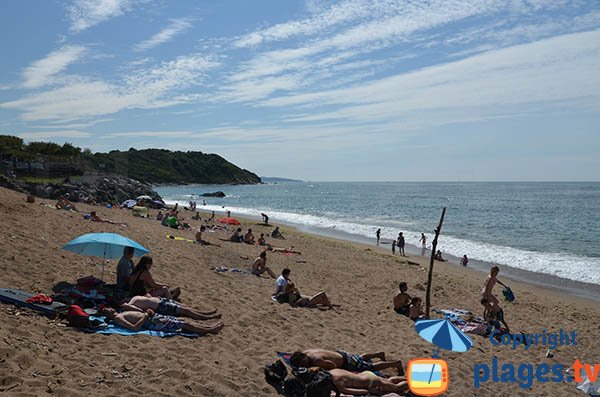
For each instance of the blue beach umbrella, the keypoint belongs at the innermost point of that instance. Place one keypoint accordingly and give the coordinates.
(443, 334)
(103, 245)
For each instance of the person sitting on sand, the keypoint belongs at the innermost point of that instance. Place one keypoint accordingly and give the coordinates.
(277, 234)
(402, 300)
(159, 216)
(464, 261)
(148, 320)
(416, 309)
(261, 241)
(63, 203)
(199, 239)
(249, 237)
(173, 222)
(493, 312)
(142, 283)
(282, 282)
(236, 237)
(296, 299)
(328, 359)
(196, 216)
(488, 287)
(167, 307)
(259, 266)
(438, 256)
(124, 269)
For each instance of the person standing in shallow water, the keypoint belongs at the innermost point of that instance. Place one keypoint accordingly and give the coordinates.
(378, 235)
(394, 247)
(464, 261)
(400, 244)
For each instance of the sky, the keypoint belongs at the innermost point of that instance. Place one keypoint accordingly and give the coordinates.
(355, 90)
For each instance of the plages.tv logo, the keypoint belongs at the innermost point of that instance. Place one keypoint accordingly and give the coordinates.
(427, 376)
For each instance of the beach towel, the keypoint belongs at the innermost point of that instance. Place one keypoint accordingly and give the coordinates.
(465, 321)
(187, 240)
(20, 298)
(115, 329)
(509, 296)
(223, 269)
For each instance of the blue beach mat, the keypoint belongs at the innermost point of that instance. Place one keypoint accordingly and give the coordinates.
(111, 329)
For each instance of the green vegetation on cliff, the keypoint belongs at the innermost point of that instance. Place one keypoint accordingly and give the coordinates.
(149, 165)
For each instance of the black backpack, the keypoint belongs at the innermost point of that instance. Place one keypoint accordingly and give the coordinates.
(275, 373)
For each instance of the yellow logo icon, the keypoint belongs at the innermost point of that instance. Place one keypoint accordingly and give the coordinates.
(427, 376)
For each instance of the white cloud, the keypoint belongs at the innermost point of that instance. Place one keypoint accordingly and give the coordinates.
(166, 134)
(176, 27)
(145, 88)
(563, 68)
(41, 72)
(53, 134)
(87, 13)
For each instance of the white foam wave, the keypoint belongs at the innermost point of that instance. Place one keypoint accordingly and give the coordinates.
(568, 266)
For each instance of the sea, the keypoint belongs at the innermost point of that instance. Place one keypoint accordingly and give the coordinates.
(545, 231)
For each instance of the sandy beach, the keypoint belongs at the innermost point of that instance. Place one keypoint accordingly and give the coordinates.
(39, 356)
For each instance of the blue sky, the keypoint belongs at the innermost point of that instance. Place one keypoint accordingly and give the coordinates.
(469, 90)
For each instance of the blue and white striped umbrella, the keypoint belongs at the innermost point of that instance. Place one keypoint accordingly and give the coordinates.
(443, 334)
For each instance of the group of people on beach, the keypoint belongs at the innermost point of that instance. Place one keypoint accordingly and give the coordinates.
(149, 305)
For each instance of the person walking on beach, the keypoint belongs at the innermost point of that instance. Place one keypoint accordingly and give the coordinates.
(228, 213)
(400, 244)
(464, 260)
(378, 235)
(488, 287)
(423, 240)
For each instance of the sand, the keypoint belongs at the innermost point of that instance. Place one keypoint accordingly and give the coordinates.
(39, 356)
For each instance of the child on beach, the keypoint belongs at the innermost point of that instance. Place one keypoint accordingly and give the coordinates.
(416, 309)
(464, 260)
(486, 291)
(493, 313)
(394, 247)
(402, 300)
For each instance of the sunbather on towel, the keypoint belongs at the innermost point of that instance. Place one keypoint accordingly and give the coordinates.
(96, 218)
(357, 384)
(148, 320)
(402, 300)
(167, 307)
(201, 241)
(328, 359)
(294, 298)
(289, 250)
(493, 312)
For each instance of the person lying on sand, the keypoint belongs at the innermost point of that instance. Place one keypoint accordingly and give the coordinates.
(141, 282)
(357, 384)
(199, 239)
(416, 309)
(148, 320)
(277, 234)
(328, 359)
(493, 312)
(249, 237)
(167, 307)
(259, 266)
(402, 300)
(96, 218)
(63, 203)
(488, 287)
(289, 250)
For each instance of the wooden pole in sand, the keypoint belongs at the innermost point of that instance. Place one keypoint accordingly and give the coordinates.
(438, 229)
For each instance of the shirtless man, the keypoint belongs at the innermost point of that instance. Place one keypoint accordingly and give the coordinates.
(96, 218)
(199, 239)
(488, 287)
(249, 237)
(259, 266)
(366, 382)
(402, 300)
(327, 359)
(493, 312)
(134, 321)
(167, 307)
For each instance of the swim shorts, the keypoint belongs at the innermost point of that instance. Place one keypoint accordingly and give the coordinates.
(355, 363)
(158, 322)
(168, 307)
